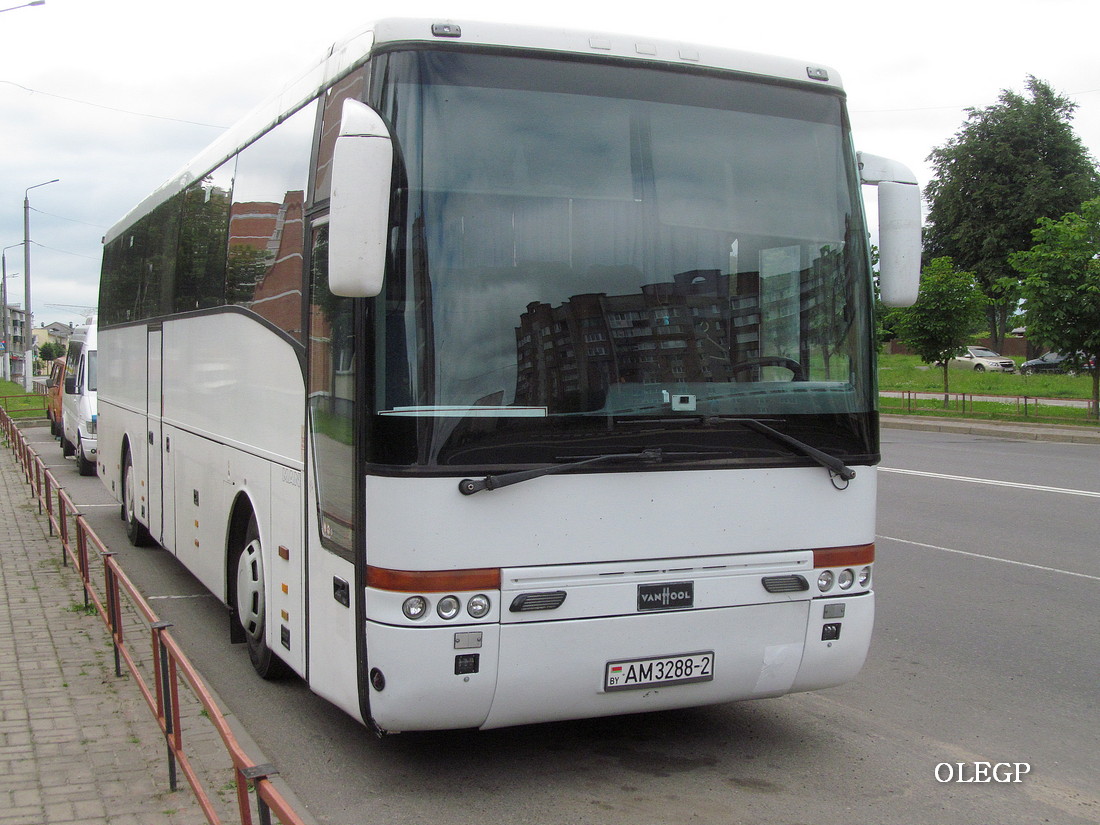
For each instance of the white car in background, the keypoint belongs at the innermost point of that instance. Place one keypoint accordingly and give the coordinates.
(981, 359)
(79, 413)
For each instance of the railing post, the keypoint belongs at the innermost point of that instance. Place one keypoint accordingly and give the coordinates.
(113, 608)
(254, 775)
(164, 694)
(82, 561)
(49, 503)
(38, 483)
(63, 531)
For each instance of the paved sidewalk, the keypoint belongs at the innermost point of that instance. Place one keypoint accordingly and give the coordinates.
(77, 743)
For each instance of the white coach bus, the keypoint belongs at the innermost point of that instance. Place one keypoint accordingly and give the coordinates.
(633, 275)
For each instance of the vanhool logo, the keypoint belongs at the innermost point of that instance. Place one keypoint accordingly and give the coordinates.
(666, 596)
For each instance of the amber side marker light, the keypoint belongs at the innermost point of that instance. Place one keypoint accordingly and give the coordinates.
(433, 581)
(855, 556)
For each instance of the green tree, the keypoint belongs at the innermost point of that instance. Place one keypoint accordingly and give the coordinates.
(49, 351)
(1061, 286)
(946, 314)
(1009, 165)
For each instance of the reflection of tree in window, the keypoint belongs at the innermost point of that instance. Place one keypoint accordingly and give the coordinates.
(205, 220)
(246, 266)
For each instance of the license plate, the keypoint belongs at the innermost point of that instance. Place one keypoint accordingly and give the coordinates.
(681, 669)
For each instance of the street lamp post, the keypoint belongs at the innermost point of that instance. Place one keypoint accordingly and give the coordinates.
(25, 5)
(28, 321)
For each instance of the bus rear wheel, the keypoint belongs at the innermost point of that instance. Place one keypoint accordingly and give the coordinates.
(136, 532)
(251, 605)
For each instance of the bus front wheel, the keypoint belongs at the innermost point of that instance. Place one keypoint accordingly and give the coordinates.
(252, 604)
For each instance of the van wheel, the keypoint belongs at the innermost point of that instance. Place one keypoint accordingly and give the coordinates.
(252, 605)
(83, 465)
(136, 532)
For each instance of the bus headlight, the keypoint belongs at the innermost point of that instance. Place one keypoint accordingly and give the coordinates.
(825, 580)
(865, 577)
(448, 607)
(846, 578)
(478, 606)
(415, 607)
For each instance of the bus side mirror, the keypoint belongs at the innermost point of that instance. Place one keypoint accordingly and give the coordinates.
(899, 228)
(70, 385)
(359, 209)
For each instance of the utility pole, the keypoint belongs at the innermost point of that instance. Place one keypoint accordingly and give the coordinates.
(28, 320)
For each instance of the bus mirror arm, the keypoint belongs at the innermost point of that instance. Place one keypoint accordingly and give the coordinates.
(899, 219)
(359, 209)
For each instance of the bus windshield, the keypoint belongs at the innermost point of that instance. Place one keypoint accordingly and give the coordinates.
(593, 252)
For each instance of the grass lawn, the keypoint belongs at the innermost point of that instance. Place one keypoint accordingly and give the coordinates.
(20, 404)
(906, 373)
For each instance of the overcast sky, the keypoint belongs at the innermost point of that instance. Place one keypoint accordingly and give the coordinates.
(114, 96)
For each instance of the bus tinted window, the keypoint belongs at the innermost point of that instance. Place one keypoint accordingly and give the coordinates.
(266, 225)
(201, 277)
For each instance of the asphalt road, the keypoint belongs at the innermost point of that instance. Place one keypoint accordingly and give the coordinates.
(986, 649)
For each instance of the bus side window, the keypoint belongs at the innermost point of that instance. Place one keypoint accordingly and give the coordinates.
(267, 224)
(353, 86)
(331, 393)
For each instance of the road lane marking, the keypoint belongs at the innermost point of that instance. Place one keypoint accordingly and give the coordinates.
(991, 558)
(993, 482)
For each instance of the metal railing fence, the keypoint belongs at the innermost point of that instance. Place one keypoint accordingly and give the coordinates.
(968, 405)
(127, 616)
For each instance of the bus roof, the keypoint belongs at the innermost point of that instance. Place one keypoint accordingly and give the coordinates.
(348, 54)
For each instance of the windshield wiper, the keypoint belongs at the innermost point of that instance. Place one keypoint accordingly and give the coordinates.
(831, 463)
(469, 486)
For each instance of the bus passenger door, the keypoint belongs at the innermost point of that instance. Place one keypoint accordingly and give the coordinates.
(334, 525)
(154, 406)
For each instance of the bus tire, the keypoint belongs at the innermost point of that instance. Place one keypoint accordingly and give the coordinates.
(251, 604)
(67, 448)
(136, 532)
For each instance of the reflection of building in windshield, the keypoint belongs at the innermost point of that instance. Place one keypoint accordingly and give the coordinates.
(682, 331)
(702, 327)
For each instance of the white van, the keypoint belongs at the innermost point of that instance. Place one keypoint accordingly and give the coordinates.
(78, 403)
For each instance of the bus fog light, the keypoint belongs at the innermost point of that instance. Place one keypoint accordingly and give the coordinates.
(478, 606)
(415, 607)
(865, 577)
(825, 580)
(448, 607)
(846, 578)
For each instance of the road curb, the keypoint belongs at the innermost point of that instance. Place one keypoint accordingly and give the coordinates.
(994, 429)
